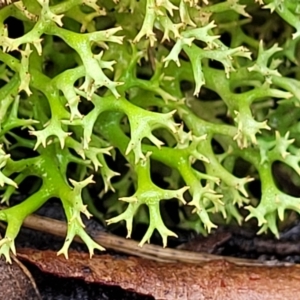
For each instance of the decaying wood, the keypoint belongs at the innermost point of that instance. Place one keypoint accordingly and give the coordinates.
(219, 280)
(131, 247)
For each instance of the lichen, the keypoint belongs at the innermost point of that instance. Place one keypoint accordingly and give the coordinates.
(194, 85)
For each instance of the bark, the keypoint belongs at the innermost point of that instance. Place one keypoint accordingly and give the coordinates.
(175, 281)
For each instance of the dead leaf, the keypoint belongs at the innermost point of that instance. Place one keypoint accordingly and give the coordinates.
(175, 281)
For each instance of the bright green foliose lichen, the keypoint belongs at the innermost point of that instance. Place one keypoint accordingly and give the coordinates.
(179, 82)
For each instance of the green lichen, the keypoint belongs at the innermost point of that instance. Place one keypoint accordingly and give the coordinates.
(195, 86)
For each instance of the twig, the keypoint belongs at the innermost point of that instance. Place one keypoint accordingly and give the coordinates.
(131, 247)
